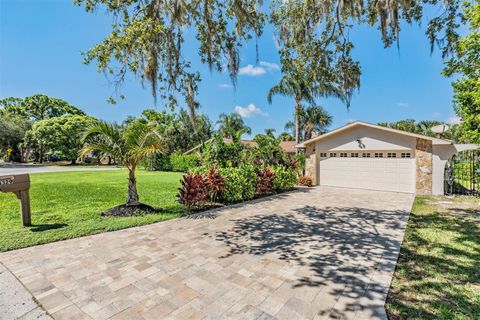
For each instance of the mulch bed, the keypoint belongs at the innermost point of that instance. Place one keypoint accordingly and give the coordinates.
(128, 211)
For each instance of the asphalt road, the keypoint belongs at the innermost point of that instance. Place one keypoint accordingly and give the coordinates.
(18, 168)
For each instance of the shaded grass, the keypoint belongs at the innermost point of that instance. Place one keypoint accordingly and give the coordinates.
(438, 271)
(68, 205)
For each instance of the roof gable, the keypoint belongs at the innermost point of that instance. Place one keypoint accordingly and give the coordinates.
(435, 141)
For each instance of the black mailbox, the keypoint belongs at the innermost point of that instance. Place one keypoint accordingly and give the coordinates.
(20, 185)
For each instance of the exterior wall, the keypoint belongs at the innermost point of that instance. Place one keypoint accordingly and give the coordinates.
(424, 166)
(430, 160)
(312, 164)
(441, 154)
(370, 139)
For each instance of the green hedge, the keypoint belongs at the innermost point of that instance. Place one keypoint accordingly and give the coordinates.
(285, 179)
(240, 183)
(173, 162)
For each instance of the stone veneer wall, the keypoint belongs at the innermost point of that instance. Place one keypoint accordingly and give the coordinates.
(423, 160)
(311, 164)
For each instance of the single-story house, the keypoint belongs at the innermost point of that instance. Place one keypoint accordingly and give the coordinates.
(288, 146)
(368, 156)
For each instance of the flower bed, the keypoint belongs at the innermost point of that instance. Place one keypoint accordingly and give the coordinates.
(205, 187)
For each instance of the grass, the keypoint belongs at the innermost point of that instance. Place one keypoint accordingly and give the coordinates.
(68, 205)
(438, 272)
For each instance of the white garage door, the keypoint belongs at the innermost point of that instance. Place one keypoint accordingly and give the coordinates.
(387, 174)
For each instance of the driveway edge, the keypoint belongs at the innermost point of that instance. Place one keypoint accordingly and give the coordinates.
(16, 302)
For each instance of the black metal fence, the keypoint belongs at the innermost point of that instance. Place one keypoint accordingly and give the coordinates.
(462, 174)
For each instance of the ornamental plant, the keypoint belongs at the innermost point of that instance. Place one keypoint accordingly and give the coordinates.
(285, 178)
(215, 184)
(193, 190)
(266, 178)
(240, 183)
(305, 181)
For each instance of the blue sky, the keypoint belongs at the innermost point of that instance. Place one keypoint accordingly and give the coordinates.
(41, 41)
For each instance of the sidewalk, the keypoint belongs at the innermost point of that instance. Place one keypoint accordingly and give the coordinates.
(15, 300)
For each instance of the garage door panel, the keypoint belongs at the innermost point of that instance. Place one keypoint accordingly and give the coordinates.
(389, 174)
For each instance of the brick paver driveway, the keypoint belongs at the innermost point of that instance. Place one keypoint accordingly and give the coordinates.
(312, 254)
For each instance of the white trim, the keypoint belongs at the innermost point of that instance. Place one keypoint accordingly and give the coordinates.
(435, 141)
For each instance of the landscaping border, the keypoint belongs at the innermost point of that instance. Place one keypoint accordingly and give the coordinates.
(209, 213)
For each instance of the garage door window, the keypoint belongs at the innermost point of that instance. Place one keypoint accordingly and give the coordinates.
(333, 154)
(366, 155)
(323, 154)
(406, 155)
(343, 154)
(354, 155)
(378, 155)
(391, 155)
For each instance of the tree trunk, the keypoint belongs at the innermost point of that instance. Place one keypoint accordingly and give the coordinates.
(41, 153)
(297, 122)
(74, 161)
(132, 198)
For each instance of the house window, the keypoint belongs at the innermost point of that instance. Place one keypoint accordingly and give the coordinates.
(354, 155)
(378, 155)
(391, 155)
(406, 155)
(333, 154)
(323, 154)
(343, 154)
(366, 155)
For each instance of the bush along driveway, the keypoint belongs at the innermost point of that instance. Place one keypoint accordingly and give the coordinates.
(438, 272)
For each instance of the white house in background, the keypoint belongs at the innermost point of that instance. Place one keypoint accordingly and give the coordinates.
(368, 156)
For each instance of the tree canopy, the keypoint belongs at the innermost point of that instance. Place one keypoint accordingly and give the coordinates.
(38, 107)
(61, 136)
(147, 37)
(466, 63)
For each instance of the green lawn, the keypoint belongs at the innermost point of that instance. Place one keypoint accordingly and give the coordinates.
(67, 205)
(438, 272)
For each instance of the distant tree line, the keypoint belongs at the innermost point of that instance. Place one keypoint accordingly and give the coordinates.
(424, 127)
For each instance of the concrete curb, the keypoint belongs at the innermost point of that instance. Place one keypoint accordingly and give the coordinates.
(16, 302)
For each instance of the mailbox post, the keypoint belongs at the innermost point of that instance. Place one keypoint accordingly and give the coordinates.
(20, 185)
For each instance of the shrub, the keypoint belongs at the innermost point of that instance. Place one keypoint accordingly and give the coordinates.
(240, 183)
(215, 184)
(183, 163)
(192, 191)
(159, 162)
(305, 181)
(266, 178)
(285, 178)
(173, 162)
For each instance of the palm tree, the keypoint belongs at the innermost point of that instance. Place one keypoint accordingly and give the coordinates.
(230, 124)
(315, 119)
(270, 132)
(300, 90)
(130, 145)
(285, 136)
(425, 127)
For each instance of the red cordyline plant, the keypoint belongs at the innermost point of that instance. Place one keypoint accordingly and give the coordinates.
(265, 181)
(215, 184)
(193, 190)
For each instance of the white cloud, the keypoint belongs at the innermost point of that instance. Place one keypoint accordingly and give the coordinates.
(250, 70)
(270, 66)
(225, 85)
(454, 120)
(436, 114)
(403, 104)
(249, 111)
(261, 69)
